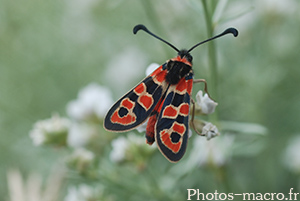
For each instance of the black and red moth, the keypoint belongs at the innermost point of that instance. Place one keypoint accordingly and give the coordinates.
(164, 99)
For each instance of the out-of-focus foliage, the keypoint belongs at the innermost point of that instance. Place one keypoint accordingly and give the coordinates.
(52, 54)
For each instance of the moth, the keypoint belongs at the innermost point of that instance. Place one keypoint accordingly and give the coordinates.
(163, 98)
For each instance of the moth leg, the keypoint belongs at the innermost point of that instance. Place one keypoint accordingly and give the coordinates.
(205, 86)
(192, 123)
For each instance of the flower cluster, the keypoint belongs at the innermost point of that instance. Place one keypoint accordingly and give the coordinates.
(81, 160)
(92, 102)
(80, 131)
(50, 131)
(130, 148)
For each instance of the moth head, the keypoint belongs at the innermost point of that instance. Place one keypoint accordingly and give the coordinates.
(185, 54)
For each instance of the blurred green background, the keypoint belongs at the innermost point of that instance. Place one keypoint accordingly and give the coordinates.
(51, 49)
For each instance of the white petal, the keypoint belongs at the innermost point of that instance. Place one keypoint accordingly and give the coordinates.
(43, 129)
(142, 127)
(210, 131)
(206, 104)
(79, 135)
(83, 154)
(199, 97)
(152, 67)
(37, 136)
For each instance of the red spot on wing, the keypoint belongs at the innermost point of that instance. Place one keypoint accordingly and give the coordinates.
(156, 71)
(129, 118)
(178, 128)
(159, 75)
(166, 139)
(165, 136)
(146, 101)
(127, 104)
(170, 112)
(125, 120)
(140, 88)
(181, 86)
(184, 109)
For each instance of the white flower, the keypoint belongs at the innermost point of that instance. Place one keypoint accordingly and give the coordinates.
(152, 67)
(119, 147)
(82, 193)
(37, 135)
(291, 156)
(81, 160)
(80, 134)
(210, 130)
(142, 128)
(206, 104)
(83, 155)
(214, 152)
(50, 130)
(93, 100)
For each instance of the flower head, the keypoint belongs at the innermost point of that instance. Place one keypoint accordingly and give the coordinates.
(210, 130)
(81, 159)
(93, 101)
(119, 147)
(81, 134)
(129, 148)
(50, 131)
(206, 104)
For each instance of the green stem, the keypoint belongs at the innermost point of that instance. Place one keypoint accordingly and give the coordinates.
(220, 172)
(212, 62)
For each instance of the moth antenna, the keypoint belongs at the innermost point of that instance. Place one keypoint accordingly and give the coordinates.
(142, 27)
(233, 31)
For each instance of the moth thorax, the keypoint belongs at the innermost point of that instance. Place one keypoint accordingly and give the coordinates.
(176, 71)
